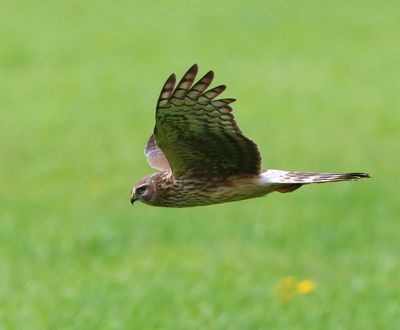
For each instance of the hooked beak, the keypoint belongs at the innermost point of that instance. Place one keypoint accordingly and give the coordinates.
(133, 198)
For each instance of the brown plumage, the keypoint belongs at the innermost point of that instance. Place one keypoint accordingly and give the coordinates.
(201, 155)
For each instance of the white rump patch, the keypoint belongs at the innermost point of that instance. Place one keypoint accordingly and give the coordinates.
(275, 176)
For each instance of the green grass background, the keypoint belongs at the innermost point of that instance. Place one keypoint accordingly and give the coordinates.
(318, 88)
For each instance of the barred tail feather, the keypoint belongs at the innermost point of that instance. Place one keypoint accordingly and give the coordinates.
(288, 181)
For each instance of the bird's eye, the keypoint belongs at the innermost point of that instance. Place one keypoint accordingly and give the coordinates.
(141, 189)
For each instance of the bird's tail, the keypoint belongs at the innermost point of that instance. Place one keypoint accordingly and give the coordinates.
(287, 181)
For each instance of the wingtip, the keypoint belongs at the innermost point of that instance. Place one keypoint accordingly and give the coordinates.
(167, 90)
(172, 78)
(208, 77)
(192, 70)
(229, 100)
(221, 88)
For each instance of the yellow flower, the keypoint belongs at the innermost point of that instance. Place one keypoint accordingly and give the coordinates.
(289, 286)
(305, 287)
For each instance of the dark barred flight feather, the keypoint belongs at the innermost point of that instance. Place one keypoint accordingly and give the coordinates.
(191, 124)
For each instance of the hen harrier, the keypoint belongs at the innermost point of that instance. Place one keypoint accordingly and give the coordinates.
(201, 155)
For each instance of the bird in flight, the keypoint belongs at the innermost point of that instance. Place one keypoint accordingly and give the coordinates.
(201, 155)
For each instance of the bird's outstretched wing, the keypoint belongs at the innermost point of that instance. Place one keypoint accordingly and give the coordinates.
(199, 135)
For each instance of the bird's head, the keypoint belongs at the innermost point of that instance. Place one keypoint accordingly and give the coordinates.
(143, 190)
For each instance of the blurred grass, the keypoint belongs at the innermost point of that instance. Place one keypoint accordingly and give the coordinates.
(318, 89)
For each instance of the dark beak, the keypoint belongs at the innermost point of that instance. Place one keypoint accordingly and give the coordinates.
(133, 198)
